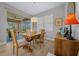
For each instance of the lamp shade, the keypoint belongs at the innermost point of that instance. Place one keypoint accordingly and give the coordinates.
(71, 19)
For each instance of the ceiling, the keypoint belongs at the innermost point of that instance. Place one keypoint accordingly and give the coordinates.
(34, 8)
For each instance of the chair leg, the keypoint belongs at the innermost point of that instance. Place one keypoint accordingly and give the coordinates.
(30, 43)
(16, 51)
(42, 44)
(34, 43)
(13, 50)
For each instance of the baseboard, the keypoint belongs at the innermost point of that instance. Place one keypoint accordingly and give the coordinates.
(50, 39)
(2, 43)
(2, 46)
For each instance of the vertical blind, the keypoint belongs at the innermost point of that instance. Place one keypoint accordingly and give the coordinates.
(46, 22)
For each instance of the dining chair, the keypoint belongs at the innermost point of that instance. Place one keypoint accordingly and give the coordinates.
(16, 44)
(41, 38)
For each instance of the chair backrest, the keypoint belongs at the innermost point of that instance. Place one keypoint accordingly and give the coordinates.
(42, 30)
(33, 33)
(13, 35)
(42, 34)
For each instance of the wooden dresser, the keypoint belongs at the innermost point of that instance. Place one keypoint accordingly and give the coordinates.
(66, 47)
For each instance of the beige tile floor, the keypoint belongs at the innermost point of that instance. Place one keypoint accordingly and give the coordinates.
(7, 49)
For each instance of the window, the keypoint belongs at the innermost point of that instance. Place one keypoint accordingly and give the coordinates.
(46, 22)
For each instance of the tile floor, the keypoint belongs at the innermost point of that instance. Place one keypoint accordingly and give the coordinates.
(7, 49)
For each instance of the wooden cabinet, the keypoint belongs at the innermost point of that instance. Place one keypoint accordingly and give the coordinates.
(58, 47)
(66, 47)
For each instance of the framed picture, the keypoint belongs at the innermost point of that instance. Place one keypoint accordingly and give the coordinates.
(58, 21)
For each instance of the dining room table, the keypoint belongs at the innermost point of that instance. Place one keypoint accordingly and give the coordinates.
(30, 36)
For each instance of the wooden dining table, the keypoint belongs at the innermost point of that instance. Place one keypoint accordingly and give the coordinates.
(31, 37)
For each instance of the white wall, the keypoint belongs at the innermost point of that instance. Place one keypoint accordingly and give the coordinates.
(16, 11)
(57, 12)
(76, 27)
(3, 23)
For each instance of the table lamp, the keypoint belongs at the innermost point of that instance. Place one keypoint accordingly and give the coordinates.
(71, 19)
